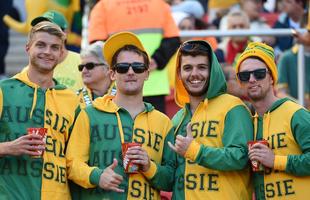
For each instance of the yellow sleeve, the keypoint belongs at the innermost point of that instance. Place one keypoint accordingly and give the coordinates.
(149, 174)
(280, 163)
(192, 151)
(77, 154)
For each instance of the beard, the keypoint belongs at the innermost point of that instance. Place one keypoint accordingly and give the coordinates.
(199, 93)
(259, 95)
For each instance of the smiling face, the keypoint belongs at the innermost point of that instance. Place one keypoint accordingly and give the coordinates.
(256, 90)
(45, 51)
(194, 72)
(129, 83)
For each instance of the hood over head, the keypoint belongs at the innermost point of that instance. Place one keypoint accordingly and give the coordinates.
(217, 82)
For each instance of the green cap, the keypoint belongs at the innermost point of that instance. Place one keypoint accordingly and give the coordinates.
(52, 16)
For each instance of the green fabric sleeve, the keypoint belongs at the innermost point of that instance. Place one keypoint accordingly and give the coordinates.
(95, 176)
(238, 131)
(163, 179)
(299, 165)
(283, 68)
(1, 102)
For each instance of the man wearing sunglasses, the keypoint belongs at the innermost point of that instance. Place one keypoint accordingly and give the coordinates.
(95, 74)
(212, 130)
(102, 129)
(282, 122)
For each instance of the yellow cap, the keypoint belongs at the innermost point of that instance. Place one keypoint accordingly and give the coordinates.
(117, 41)
(262, 51)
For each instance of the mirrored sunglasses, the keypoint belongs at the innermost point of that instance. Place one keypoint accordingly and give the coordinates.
(123, 68)
(89, 66)
(258, 74)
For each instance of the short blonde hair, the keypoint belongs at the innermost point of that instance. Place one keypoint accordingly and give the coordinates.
(47, 27)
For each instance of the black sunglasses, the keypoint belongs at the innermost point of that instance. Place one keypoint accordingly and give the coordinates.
(123, 68)
(194, 46)
(89, 66)
(259, 74)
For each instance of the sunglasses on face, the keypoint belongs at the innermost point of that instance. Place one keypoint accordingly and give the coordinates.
(194, 46)
(89, 66)
(137, 67)
(259, 74)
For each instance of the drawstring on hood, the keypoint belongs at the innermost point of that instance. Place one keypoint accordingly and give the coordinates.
(267, 118)
(266, 125)
(23, 77)
(106, 104)
(217, 82)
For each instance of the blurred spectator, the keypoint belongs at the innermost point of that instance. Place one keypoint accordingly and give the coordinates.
(186, 22)
(6, 8)
(95, 74)
(233, 87)
(230, 47)
(292, 17)
(152, 21)
(270, 5)
(287, 84)
(193, 8)
(254, 8)
(219, 8)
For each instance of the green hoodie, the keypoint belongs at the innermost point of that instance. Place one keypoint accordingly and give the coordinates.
(24, 104)
(286, 127)
(215, 164)
(96, 139)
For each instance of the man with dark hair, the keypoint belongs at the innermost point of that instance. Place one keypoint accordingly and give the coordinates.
(212, 130)
(280, 121)
(95, 148)
(30, 99)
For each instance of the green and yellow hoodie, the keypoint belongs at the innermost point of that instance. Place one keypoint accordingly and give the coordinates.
(24, 104)
(286, 126)
(215, 164)
(96, 139)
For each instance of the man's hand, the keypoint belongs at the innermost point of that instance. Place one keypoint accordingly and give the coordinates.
(182, 143)
(24, 145)
(139, 156)
(109, 180)
(262, 154)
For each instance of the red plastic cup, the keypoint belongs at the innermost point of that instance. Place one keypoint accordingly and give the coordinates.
(257, 166)
(38, 131)
(129, 167)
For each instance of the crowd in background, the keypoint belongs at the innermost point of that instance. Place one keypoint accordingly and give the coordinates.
(187, 15)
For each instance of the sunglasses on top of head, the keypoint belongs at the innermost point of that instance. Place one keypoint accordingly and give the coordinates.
(194, 46)
(259, 74)
(137, 67)
(89, 66)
